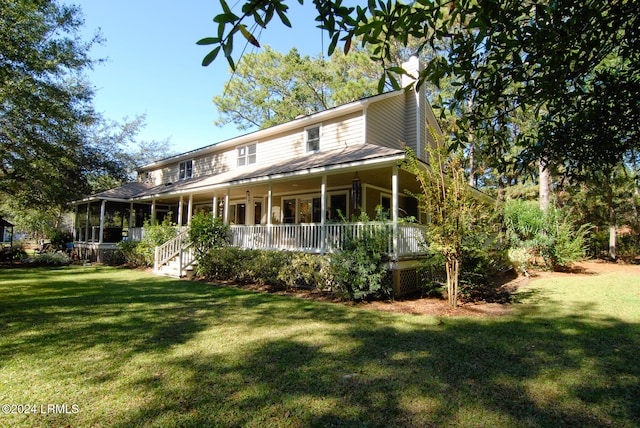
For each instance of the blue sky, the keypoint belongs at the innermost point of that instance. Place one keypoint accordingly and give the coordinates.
(153, 65)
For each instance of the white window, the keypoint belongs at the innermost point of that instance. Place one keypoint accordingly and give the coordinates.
(247, 155)
(312, 135)
(186, 170)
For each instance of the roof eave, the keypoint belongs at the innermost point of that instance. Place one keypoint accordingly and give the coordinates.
(378, 161)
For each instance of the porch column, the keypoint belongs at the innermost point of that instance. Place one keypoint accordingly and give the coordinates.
(103, 207)
(132, 218)
(190, 210)
(269, 204)
(249, 211)
(323, 214)
(75, 223)
(180, 202)
(86, 226)
(226, 206)
(215, 207)
(394, 210)
(269, 214)
(153, 212)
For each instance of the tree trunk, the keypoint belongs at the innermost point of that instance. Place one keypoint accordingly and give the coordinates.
(501, 189)
(452, 265)
(472, 159)
(612, 218)
(472, 151)
(543, 180)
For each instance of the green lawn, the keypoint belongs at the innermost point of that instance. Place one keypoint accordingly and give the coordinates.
(127, 349)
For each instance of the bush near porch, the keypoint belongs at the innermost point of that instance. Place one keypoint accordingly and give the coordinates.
(358, 271)
(268, 267)
(141, 253)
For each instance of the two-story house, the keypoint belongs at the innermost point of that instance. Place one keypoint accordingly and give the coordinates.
(282, 187)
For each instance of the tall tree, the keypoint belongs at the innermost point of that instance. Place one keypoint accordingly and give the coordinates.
(599, 133)
(508, 55)
(268, 87)
(45, 104)
(119, 152)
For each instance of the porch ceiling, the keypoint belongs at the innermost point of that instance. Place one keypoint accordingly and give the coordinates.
(379, 177)
(304, 172)
(373, 165)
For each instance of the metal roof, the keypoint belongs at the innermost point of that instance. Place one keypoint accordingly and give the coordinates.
(332, 159)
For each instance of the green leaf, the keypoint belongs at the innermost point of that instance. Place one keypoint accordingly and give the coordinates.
(210, 57)
(208, 41)
(224, 18)
(333, 44)
(247, 35)
(283, 16)
(231, 63)
(381, 84)
(225, 6)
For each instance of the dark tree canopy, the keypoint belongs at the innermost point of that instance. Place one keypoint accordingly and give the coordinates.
(45, 104)
(534, 56)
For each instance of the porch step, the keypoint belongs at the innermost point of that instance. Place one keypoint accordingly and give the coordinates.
(172, 269)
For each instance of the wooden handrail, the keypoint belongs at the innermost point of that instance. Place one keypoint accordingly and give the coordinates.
(170, 249)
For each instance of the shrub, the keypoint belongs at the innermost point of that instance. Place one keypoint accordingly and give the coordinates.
(361, 268)
(305, 271)
(207, 233)
(519, 258)
(245, 266)
(276, 268)
(158, 234)
(50, 259)
(114, 258)
(433, 274)
(133, 253)
(551, 235)
(565, 244)
(141, 253)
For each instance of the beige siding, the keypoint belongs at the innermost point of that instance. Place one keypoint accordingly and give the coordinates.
(279, 147)
(424, 131)
(390, 122)
(413, 133)
(385, 123)
(334, 134)
(339, 133)
(214, 163)
(209, 164)
(169, 174)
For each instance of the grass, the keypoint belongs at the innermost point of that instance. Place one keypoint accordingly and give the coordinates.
(133, 350)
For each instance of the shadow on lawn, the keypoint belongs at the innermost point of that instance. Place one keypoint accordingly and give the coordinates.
(442, 376)
(346, 367)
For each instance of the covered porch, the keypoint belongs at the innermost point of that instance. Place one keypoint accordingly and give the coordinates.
(300, 205)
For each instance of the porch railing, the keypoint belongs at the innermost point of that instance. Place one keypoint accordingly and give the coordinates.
(317, 238)
(178, 247)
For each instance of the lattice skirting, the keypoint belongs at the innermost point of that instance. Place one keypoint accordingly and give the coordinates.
(405, 278)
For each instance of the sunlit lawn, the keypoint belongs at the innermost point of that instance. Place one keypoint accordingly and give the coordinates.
(126, 349)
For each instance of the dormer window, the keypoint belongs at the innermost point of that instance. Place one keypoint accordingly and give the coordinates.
(247, 155)
(312, 137)
(186, 170)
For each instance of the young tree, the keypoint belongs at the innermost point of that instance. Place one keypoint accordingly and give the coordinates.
(454, 212)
